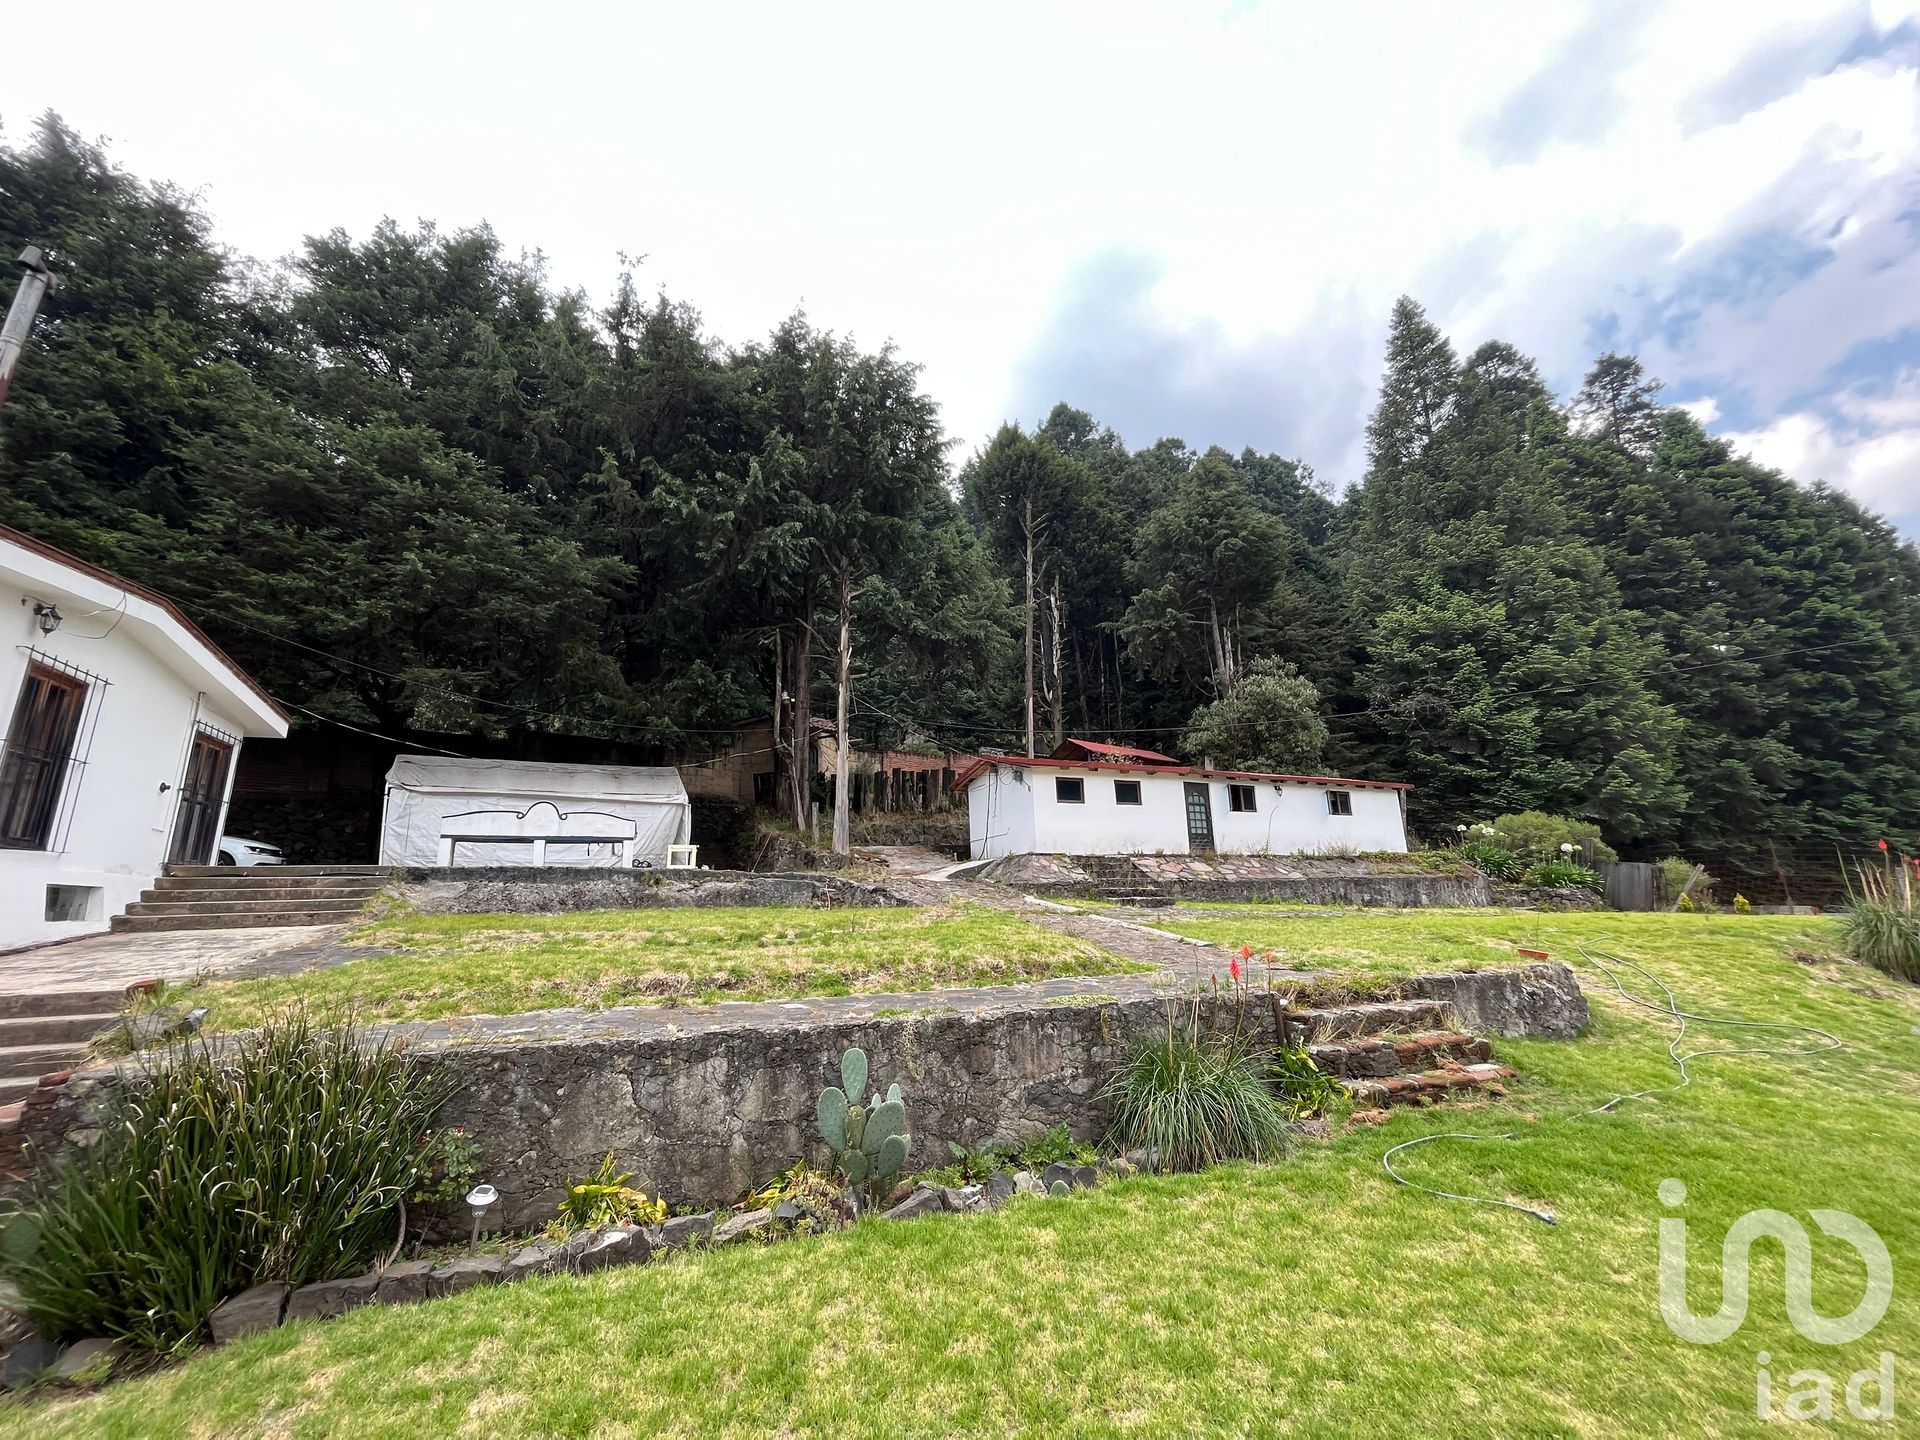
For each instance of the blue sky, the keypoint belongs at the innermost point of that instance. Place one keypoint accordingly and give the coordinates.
(1190, 219)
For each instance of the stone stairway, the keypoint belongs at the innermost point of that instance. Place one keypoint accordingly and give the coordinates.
(42, 1036)
(1398, 1052)
(215, 897)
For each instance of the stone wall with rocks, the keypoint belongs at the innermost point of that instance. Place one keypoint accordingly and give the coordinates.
(1382, 891)
(702, 1104)
(557, 891)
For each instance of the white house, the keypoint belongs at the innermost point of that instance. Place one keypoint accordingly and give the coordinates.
(123, 725)
(1092, 799)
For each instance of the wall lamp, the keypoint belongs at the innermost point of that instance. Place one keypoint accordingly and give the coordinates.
(47, 617)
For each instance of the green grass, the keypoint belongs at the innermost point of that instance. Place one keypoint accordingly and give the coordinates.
(1308, 1297)
(448, 965)
(1387, 944)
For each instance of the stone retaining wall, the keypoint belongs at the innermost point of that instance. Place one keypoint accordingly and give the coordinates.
(1385, 891)
(557, 891)
(703, 1103)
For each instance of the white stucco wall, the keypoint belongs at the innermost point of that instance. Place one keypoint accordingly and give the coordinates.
(1288, 818)
(115, 822)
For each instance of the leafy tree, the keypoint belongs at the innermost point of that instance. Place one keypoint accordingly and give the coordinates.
(1269, 721)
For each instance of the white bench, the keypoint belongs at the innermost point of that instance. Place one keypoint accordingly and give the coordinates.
(540, 825)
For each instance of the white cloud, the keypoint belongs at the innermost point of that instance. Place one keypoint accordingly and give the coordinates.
(1869, 447)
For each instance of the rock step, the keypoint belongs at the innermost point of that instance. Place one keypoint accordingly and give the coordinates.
(212, 899)
(238, 872)
(1429, 1086)
(226, 920)
(33, 1061)
(254, 904)
(53, 1029)
(15, 1088)
(1380, 1056)
(1350, 1022)
(37, 1004)
(294, 886)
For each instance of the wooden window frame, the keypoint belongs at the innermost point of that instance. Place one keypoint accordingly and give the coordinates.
(1243, 799)
(44, 753)
(1120, 795)
(1340, 802)
(1061, 785)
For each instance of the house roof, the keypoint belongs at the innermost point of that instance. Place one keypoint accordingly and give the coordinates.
(1053, 762)
(1071, 749)
(509, 779)
(194, 634)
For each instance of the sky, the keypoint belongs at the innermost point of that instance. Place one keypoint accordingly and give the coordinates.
(1190, 219)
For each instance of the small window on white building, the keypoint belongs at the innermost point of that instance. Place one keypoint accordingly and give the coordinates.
(1069, 792)
(1240, 798)
(1339, 802)
(1126, 792)
(73, 902)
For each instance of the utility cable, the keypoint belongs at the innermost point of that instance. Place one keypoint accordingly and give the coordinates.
(1681, 1062)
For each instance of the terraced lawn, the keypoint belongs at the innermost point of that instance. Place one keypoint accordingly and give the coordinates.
(443, 965)
(1310, 1297)
(1410, 942)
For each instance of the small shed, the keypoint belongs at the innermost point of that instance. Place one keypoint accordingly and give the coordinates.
(447, 811)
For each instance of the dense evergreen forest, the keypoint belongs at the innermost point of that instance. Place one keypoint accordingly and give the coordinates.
(415, 487)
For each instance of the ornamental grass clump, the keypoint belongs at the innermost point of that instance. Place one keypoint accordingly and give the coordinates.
(1199, 1093)
(283, 1155)
(1882, 924)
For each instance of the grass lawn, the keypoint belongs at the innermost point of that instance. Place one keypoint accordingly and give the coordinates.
(1309, 1297)
(1409, 942)
(503, 964)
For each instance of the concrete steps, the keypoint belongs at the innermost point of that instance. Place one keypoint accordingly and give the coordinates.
(246, 874)
(214, 897)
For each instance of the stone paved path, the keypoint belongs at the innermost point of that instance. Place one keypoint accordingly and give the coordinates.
(102, 962)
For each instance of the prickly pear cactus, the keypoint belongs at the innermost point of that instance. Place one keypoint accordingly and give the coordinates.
(869, 1142)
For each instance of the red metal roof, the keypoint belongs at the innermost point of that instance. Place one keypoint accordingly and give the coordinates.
(1054, 762)
(1100, 750)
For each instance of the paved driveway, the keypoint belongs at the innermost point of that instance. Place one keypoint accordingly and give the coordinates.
(101, 962)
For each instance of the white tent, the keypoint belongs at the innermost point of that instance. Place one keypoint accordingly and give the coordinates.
(447, 811)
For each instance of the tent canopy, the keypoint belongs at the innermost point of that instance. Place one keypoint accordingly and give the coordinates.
(443, 810)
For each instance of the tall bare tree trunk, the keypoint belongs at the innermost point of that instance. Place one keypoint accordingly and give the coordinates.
(782, 751)
(842, 833)
(801, 788)
(1028, 526)
(1059, 666)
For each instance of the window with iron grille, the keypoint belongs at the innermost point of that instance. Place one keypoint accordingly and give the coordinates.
(39, 748)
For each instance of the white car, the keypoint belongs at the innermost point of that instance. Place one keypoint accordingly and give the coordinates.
(237, 851)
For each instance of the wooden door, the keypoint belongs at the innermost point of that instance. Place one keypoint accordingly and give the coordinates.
(1199, 818)
(196, 826)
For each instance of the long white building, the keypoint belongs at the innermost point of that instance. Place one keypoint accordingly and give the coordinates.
(123, 726)
(1093, 799)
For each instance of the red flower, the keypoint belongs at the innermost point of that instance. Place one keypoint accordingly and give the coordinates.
(1881, 843)
(1233, 968)
(1246, 952)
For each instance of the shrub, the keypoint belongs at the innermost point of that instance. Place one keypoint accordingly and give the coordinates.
(1303, 1086)
(1536, 835)
(282, 1156)
(1678, 872)
(1564, 875)
(1742, 905)
(1495, 861)
(1882, 924)
(1193, 1100)
(605, 1198)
